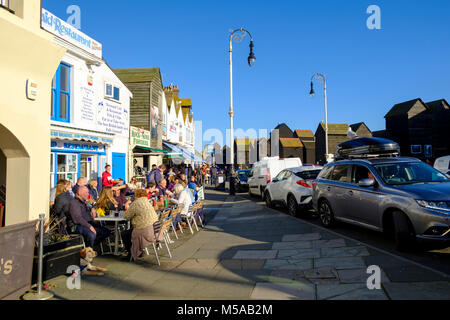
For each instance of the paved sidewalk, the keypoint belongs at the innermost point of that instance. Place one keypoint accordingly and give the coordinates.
(248, 251)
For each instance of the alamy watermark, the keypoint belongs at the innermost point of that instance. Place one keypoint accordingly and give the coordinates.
(374, 280)
(74, 280)
(75, 16)
(374, 20)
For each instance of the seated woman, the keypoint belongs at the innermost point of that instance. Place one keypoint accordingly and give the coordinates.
(193, 186)
(60, 209)
(173, 180)
(106, 201)
(122, 201)
(92, 186)
(141, 235)
(183, 199)
(133, 185)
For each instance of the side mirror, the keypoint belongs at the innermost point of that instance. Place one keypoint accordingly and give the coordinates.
(366, 183)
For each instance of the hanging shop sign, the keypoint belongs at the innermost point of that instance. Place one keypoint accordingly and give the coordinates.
(139, 137)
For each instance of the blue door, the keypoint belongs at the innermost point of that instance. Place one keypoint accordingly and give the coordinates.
(118, 165)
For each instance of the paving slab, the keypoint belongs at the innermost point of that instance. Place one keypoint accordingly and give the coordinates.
(438, 290)
(358, 276)
(345, 252)
(294, 264)
(333, 243)
(348, 292)
(198, 264)
(291, 245)
(284, 291)
(255, 254)
(321, 273)
(301, 237)
(340, 263)
(299, 253)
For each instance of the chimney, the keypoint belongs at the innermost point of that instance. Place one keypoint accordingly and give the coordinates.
(172, 89)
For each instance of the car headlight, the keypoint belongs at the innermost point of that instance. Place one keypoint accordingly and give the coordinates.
(438, 205)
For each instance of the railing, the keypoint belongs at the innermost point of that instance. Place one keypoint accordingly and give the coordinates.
(5, 4)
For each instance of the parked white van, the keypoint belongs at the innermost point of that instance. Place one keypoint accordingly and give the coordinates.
(443, 164)
(264, 170)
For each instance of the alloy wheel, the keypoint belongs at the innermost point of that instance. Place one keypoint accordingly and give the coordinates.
(292, 206)
(326, 217)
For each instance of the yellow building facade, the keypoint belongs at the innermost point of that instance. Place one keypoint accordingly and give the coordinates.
(28, 61)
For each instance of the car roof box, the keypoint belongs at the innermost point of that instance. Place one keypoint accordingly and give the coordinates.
(366, 147)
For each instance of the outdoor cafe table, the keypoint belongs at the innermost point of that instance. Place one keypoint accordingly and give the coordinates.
(116, 221)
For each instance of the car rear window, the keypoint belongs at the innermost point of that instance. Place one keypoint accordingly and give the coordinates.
(308, 175)
(340, 173)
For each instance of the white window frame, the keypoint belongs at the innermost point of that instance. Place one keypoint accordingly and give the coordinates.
(113, 86)
(416, 145)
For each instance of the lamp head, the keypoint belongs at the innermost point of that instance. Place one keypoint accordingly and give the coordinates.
(251, 57)
(312, 93)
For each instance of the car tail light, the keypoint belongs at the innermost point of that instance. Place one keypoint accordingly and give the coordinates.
(314, 184)
(303, 184)
(268, 177)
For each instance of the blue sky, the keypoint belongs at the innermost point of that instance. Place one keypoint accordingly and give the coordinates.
(368, 71)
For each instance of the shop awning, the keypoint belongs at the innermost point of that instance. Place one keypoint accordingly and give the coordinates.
(187, 155)
(81, 136)
(138, 150)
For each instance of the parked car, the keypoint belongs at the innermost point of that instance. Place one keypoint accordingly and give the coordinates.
(264, 170)
(400, 196)
(242, 180)
(443, 164)
(292, 188)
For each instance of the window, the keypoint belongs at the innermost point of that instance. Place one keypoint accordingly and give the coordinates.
(61, 92)
(416, 149)
(340, 173)
(6, 4)
(308, 175)
(67, 165)
(359, 173)
(112, 91)
(409, 173)
(326, 173)
(280, 176)
(287, 175)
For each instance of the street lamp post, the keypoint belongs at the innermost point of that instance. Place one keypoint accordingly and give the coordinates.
(321, 77)
(238, 35)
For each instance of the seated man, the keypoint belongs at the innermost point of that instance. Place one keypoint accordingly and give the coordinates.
(162, 189)
(80, 183)
(81, 220)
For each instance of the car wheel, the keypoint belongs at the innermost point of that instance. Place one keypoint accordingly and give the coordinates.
(292, 206)
(268, 199)
(326, 214)
(403, 231)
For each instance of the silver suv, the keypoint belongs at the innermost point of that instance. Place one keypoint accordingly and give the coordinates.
(400, 196)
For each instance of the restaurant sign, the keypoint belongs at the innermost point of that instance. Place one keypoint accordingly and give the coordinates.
(65, 31)
(139, 137)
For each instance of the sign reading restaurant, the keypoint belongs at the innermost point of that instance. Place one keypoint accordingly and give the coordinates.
(139, 137)
(62, 29)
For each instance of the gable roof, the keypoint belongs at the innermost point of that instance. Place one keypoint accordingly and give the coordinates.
(335, 128)
(438, 105)
(138, 75)
(358, 125)
(304, 133)
(185, 113)
(291, 142)
(403, 108)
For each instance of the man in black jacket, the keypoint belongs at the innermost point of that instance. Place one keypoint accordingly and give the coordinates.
(82, 221)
